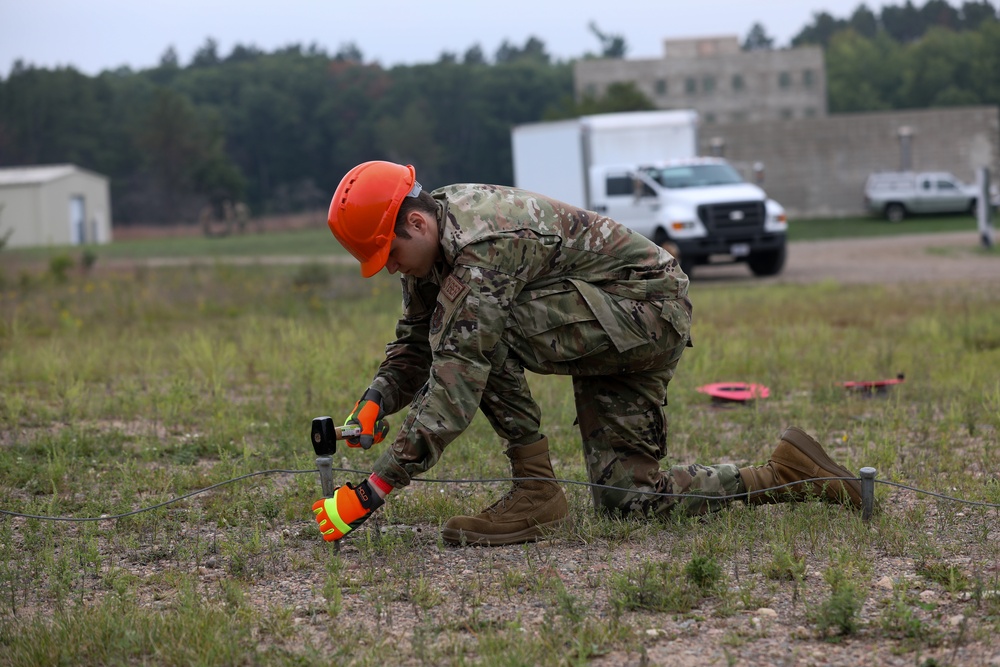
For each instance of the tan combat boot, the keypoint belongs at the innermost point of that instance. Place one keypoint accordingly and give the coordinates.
(799, 457)
(525, 513)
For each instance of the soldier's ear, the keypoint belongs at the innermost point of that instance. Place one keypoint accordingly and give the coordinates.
(416, 221)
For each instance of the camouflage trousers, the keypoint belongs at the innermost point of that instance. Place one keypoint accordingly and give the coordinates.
(620, 372)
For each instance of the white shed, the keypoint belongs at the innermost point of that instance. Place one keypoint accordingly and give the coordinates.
(59, 204)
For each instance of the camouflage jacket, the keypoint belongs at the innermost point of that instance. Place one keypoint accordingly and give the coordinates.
(501, 248)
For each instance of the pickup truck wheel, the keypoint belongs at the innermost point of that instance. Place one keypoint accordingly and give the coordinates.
(768, 263)
(895, 212)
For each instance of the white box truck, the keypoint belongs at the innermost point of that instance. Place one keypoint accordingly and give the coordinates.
(641, 168)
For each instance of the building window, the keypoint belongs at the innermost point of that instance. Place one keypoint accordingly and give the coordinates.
(810, 112)
(808, 78)
(661, 87)
(590, 90)
(690, 85)
(708, 84)
(738, 84)
(710, 118)
(739, 117)
(787, 114)
(784, 79)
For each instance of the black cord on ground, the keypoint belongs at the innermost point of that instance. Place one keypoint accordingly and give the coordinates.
(735, 496)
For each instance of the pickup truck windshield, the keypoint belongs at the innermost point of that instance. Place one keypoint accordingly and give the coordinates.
(694, 175)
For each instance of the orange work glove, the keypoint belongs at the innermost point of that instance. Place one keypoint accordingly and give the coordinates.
(368, 416)
(349, 507)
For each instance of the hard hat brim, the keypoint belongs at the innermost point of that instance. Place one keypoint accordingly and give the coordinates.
(376, 262)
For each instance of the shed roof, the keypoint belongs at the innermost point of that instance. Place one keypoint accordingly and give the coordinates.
(36, 174)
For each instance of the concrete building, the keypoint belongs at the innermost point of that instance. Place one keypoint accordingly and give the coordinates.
(54, 205)
(818, 167)
(722, 82)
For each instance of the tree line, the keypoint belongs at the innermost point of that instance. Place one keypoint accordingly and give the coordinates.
(278, 129)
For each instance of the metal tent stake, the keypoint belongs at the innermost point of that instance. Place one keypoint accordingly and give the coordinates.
(867, 492)
(324, 441)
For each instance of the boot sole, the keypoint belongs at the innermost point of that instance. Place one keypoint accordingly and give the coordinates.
(805, 443)
(461, 537)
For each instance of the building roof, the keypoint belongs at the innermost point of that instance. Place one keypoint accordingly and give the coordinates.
(35, 175)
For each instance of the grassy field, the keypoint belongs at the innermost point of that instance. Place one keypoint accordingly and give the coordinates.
(834, 228)
(122, 389)
(318, 242)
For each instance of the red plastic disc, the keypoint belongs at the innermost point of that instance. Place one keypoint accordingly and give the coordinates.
(739, 392)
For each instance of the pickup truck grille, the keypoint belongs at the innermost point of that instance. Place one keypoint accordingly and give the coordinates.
(733, 218)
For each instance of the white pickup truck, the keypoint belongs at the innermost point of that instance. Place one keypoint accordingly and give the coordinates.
(641, 169)
(700, 209)
(898, 194)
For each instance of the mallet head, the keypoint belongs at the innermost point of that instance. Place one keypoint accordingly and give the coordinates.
(324, 436)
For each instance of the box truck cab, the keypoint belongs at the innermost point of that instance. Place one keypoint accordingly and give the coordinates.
(641, 169)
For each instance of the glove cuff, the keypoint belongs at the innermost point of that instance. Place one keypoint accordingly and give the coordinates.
(373, 395)
(370, 500)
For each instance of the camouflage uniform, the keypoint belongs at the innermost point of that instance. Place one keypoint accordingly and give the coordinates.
(527, 282)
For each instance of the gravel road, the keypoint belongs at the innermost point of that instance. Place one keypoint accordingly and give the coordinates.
(940, 257)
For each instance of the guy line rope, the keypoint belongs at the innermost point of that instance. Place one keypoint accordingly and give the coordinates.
(867, 479)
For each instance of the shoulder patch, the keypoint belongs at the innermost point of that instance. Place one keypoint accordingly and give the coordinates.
(437, 319)
(453, 288)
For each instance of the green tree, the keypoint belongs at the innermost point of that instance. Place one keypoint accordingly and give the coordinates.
(207, 54)
(864, 22)
(940, 70)
(612, 46)
(758, 39)
(619, 96)
(474, 56)
(905, 23)
(820, 31)
(862, 74)
(533, 50)
(349, 53)
(183, 157)
(975, 13)
(940, 13)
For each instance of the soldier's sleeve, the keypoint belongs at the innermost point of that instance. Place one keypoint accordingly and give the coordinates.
(408, 358)
(464, 331)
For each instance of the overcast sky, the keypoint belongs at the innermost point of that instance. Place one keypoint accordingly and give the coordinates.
(96, 35)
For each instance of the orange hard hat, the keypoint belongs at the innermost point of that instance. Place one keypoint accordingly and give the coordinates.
(364, 207)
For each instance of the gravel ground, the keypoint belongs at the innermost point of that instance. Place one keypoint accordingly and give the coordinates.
(778, 634)
(942, 257)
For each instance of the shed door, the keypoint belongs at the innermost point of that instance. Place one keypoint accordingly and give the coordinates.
(77, 220)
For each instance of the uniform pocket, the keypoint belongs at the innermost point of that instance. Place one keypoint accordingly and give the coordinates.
(624, 331)
(557, 325)
(574, 320)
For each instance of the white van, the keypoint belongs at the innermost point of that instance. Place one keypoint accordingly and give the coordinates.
(897, 194)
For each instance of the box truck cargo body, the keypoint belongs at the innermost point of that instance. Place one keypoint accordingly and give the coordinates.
(641, 169)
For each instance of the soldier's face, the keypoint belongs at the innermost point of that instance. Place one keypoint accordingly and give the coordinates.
(415, 256)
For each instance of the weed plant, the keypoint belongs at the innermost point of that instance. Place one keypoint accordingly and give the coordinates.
(123, 389)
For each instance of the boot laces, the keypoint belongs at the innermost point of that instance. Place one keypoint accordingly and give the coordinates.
(501, 503)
